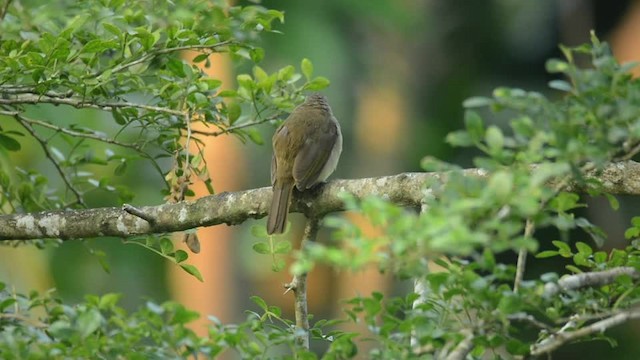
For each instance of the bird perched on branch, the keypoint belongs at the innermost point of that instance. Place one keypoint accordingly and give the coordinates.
(306, 149)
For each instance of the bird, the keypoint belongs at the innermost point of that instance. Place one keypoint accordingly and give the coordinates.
(306, 150)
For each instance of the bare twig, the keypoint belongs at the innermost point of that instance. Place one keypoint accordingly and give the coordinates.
(522, 257)
(49, 155)
(88, 135)
(589, 279)
(299, 287)
(139, 213)
(563, 337)
(530, 319)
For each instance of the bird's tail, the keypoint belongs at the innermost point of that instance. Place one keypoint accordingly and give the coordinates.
(277, 219)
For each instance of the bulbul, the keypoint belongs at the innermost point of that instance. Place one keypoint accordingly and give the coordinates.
(306, 149)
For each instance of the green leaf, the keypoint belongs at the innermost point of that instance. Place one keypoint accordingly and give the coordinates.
(613, 201)
(166, 245)
(108, 301)
(560, 85)
(283, 247)
(307, 68)
(180, 256)
(260, 302)
(259, 231)
(255, 136)
(584, 249)
(121, 168)
(176, 67)
(261, 248)
(278, 265)
(233, 112)
(556, 66)
(494, 139)
(9, 143)
(563, 248)
(192, 270)
(546, 254)
(474, 125)
(477, 101)
(88, 322)
(459, 138)
(318, 83)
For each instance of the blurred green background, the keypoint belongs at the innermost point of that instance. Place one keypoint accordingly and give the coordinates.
(399, 71)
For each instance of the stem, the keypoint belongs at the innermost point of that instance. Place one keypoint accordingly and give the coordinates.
(299, 287)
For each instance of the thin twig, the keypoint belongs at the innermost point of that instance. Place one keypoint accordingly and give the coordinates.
(153, 54)
(91, 135)
(29, 98)
(563, 337)
(49, 155)
(522, 257)
(420, 287)
(299, 287)
(139, 213)
(235, 127)
(4, 10)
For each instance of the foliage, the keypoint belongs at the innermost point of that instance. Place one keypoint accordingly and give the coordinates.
(123, 61)
(468, 221)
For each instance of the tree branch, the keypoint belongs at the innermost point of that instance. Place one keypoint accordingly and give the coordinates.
(563, 337)
(232, 208)
(28, 98)
(589, 279)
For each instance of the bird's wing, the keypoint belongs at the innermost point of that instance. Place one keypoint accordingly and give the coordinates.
(313, 156)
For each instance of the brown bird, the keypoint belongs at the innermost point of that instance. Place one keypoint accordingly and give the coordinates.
(306, 149)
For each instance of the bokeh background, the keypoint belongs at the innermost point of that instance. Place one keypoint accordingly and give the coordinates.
(399, 71)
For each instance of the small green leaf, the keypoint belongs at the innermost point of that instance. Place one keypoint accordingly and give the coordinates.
(245, 81)
(560, 85)
(259, 231)
(121, 168)
(546, 254)
(255, 136)
(278, 265)
(166, 245)
(88, 322)
(9, 143)
(563, 248)
(180, 256)
(109, 300)
(477, 101)
(494, 139)
(459, 139)
(474, 125)
(318, 83)
(613, 201)
(192, 270)
(261, 248)
(556, 66)
(260, 302)
(233, 112)
(584, 249)
(307, 68)
(119, 119)
(283, 247)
